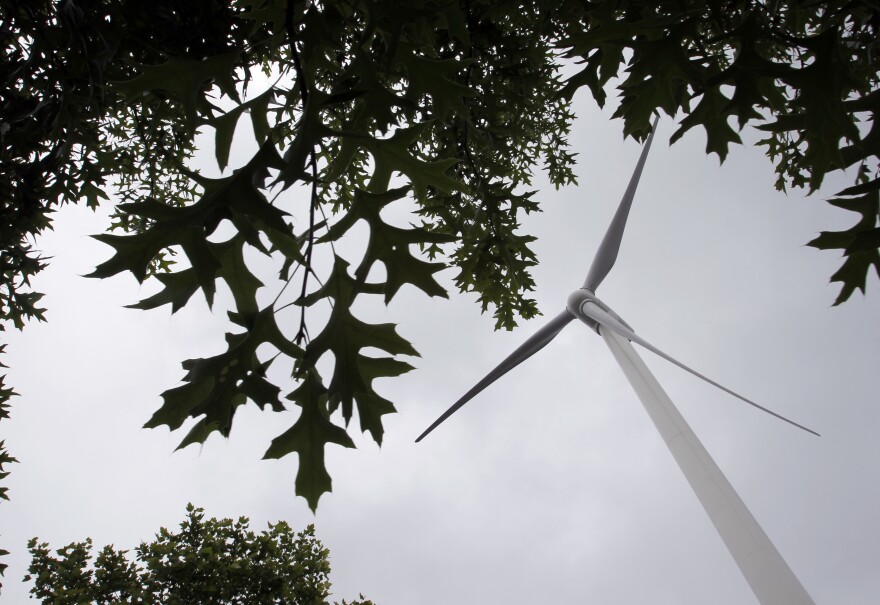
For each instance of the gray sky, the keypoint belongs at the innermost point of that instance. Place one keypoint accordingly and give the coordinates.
(552, 486)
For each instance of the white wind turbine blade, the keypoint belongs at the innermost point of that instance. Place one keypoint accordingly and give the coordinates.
(768, 575)
(531, 346)
(601, 316)
(606, 255)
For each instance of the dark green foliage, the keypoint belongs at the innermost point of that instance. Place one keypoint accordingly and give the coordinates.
(860, 243)
(210, 561)
(806, 74)
(5, 395)
(449, 107)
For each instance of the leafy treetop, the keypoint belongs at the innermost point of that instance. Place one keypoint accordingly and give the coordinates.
(452, 105)
(214, 561)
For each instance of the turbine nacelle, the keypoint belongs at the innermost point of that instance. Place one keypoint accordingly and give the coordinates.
(576, 305)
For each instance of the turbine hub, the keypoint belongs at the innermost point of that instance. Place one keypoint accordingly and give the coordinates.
(579, 298)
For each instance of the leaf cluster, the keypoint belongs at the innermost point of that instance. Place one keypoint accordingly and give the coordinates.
(213, 561)
(66, 134)
(372, 103)
(6, 394)
(805, 74)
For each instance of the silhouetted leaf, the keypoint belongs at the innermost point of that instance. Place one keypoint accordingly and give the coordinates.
(308, 438)
(860, 243)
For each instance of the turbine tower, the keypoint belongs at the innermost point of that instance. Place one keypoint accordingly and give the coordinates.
(768, 575)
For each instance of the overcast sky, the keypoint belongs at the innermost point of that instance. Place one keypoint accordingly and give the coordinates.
(550, 487)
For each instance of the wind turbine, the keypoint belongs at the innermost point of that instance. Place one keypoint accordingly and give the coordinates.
(768, 575)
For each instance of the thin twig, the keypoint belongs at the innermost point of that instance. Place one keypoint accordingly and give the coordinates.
(304, 95)
(327, 224)
(303, 332)
(297, 64)
(284, 287)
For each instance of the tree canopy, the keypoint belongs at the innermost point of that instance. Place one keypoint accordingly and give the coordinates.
(214, 561)
(360, 105)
